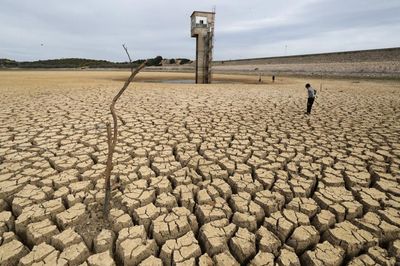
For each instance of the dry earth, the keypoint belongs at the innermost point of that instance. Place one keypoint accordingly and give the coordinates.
(223, 174)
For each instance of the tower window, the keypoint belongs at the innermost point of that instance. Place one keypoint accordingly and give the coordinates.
(201, 21)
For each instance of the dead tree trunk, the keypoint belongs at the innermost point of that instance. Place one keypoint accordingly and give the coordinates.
(112, 138)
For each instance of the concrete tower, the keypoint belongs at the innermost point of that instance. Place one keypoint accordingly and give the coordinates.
(203, 29)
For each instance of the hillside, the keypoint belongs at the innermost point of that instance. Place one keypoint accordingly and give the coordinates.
(83, 63)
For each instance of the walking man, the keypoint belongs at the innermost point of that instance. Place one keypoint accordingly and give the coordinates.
(311, 96)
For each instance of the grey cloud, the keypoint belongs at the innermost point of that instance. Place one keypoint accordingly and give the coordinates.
(96, 29)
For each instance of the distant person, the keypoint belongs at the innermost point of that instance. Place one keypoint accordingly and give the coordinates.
(273, 79)
(311, 97)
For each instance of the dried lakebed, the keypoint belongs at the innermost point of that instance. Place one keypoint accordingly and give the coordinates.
(208, 175)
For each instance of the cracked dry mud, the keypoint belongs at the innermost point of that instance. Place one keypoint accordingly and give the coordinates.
(204, 175)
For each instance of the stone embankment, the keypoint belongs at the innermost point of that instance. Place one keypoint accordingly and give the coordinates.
(380, 63)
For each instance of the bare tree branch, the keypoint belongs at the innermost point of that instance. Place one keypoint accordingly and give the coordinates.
(129, 56)
(109, 167)
(112, 140)
(127, 52)
(114, 101)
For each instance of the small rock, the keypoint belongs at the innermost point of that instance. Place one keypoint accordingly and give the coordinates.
(263, 259)
(101, 259)
(279, 225)
(362, 260)
(214, 236)
(324, 254)
(215, 210)
(178, 251)
(6, 222)
(245, 220)
(76, 215)
(104, 241)
(151, 261)
(350, 238)
(303, 238)
(381, 256)
(243, 245)
(12, 252)
(80, 186)
(381, 229)
(323, 220)
(166, 200)
(225, 258)
(132, 245)
(394, 249)
(288, 258)
(173, 225)
(65, 239)
(41, 232)
(308, 206)
(119, 220)
(146, 214)
(44, 254)
(267, 241)
(270, 201)
(75, 254)
(37, 213)
(8, 237)
(205, 260)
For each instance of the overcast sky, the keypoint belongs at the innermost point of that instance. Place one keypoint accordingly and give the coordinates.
(43, 29)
